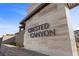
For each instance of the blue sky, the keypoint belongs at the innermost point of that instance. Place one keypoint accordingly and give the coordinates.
(74, 13)
(12, 14)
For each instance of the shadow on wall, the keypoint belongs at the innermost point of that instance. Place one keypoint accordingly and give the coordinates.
(0, 41)
(10, 50)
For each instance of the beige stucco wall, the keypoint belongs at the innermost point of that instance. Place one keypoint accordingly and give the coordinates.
(60, 44)
(8, 38)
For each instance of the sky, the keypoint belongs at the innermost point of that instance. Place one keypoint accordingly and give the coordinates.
(12, 14)
(74, 13)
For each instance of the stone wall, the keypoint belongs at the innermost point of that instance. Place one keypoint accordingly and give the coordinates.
(19, 39)
(59, 41)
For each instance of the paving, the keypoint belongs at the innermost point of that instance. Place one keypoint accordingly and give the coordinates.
(9, 50)
(1, 54)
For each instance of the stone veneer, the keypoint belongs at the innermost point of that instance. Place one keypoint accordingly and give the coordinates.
(61, 44)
